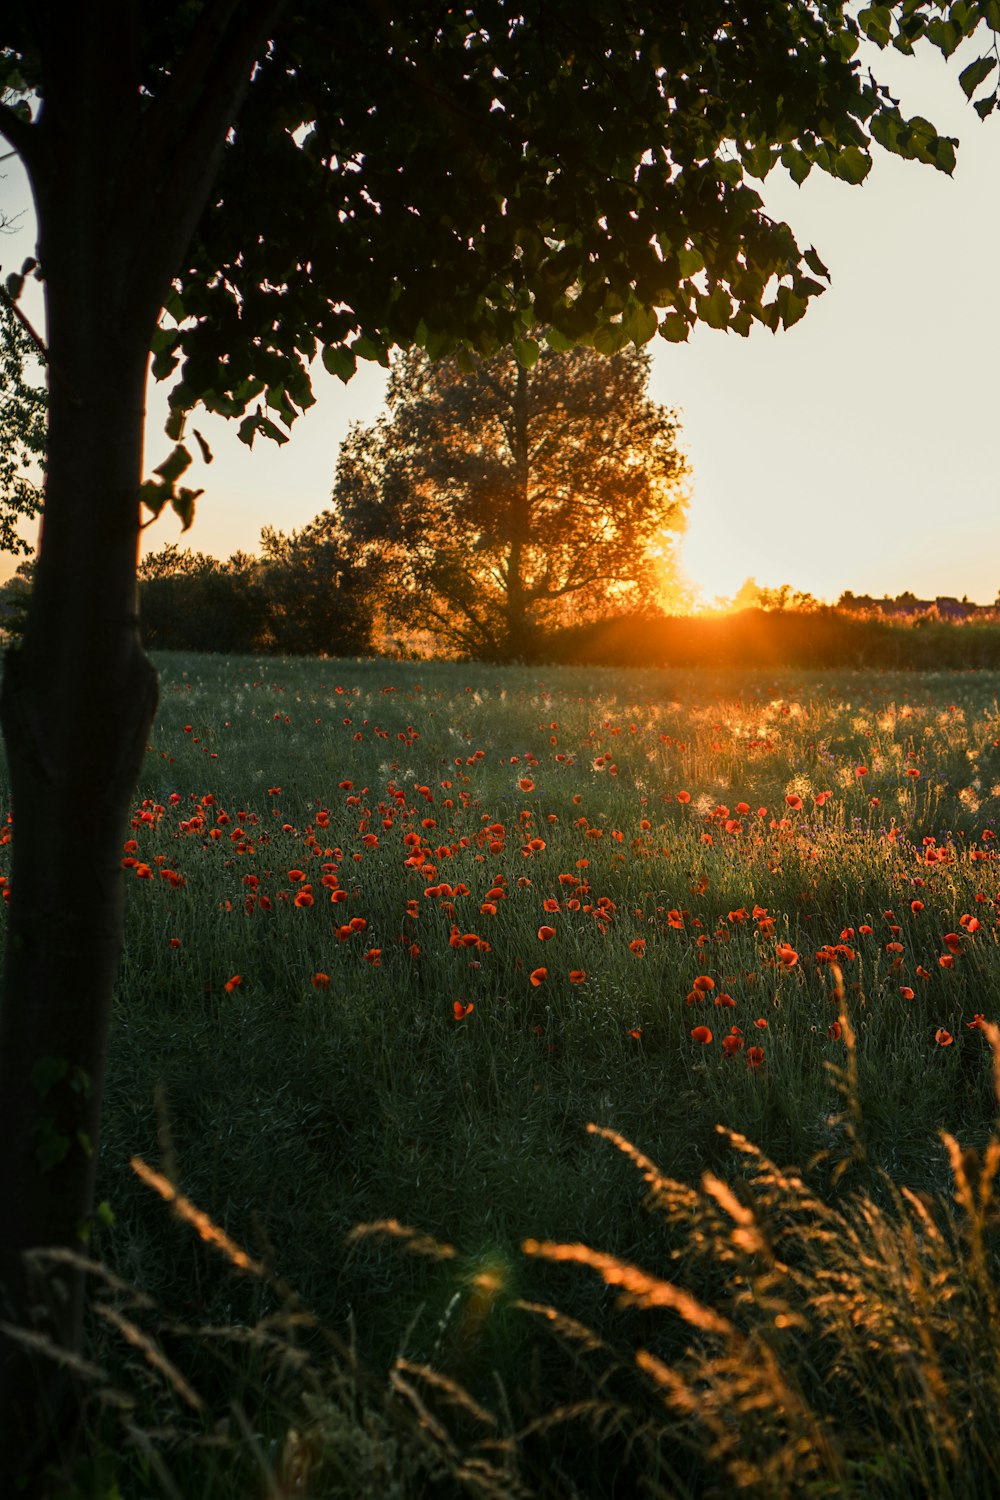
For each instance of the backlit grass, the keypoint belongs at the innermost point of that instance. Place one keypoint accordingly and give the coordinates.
(397, 933)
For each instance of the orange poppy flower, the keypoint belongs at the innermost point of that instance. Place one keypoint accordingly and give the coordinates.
(526, 784)
(755, 1057)
(906, 992)
(684, 796)
(787, 955)
(637, 946)
(550, 905)
(833, 1031)
(794, 801)
(577, 976)
(545, 933)
(321, 981)
(943, 1038)
(731, 1045)
(703, 983)
(460, 1010)
(916, 906)
(952, 942)
(701, 1034)
(234, 983)
(726, 1001)
(538, 976)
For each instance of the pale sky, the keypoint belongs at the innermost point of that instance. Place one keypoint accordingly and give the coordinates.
(857, 450)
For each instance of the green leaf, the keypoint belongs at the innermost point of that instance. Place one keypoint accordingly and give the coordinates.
(206, 451)
(526, 352)
(814, 263)
(852, 165)
(639, 324)
(610, 338)
(174, 425)
(791, 307)
(875, 21)
(674, 328)
(340, 361)
(797, 164)
(716, 308)
(971, 77)
(690, 261)
(984, 107)
(367, 348)
(104, 1214)
(558, 341)
(46, 1072)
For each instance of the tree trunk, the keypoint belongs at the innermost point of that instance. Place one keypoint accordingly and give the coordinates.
(516, 646)
(77, 702)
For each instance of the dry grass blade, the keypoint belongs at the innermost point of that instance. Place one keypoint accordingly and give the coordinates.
(419, 1243)
(641, 1290)
(153, 1355)
(186, 1210)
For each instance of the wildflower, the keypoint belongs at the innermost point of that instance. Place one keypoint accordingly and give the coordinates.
(637, 946)
(952, 942)
(684, 796)
(943, 1038)
(538, 976)
(701, 1034)
(545, 933)
(916, 906)
(175, 942)
(234, 983)
(833, 1031)
(636, 1032)
(460, 1010)
(577, 976)
(703, 983)
(755, 1058)
(731, 1045)
(906, 992)
(787, 955)
(794, 801)
(320, 981)
(726, 1001)
(526, 784)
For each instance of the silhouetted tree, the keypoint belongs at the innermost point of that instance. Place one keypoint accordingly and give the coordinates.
(500, 499)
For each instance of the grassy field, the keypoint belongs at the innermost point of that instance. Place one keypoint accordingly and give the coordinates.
(398, 933)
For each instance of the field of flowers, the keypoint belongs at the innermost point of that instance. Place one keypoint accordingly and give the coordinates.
(397, 932)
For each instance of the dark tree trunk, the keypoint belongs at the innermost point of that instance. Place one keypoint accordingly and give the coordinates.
(77, 702)
(518, 625)
(119, 183)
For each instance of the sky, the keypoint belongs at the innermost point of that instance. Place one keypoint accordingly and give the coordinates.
(856, 450)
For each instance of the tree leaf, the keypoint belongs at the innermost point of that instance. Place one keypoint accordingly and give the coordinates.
(182, 503)
(526, 352)
(173, 465)
(971, 77)
(673, 328)
(339, 360)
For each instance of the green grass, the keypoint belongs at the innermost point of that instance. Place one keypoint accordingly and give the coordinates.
(291, 1113)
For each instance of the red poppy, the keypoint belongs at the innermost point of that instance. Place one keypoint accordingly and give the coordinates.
(684, 796)
(726, 1001)
(545, 933)
(577, 976)
(526, 784)
(906, 992)
(943, 1038)
(731, 1045)
(833, 1031)
(538, 976)
(234, 983)
(701, 1034)
(637, 946)
(794, 801)
(320, 981)
(755, 1057)
(461, 1010)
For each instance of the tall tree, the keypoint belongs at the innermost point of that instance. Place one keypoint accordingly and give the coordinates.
(502, 497)
(277, 177)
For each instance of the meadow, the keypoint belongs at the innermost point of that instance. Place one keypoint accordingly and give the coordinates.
(399, 933)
